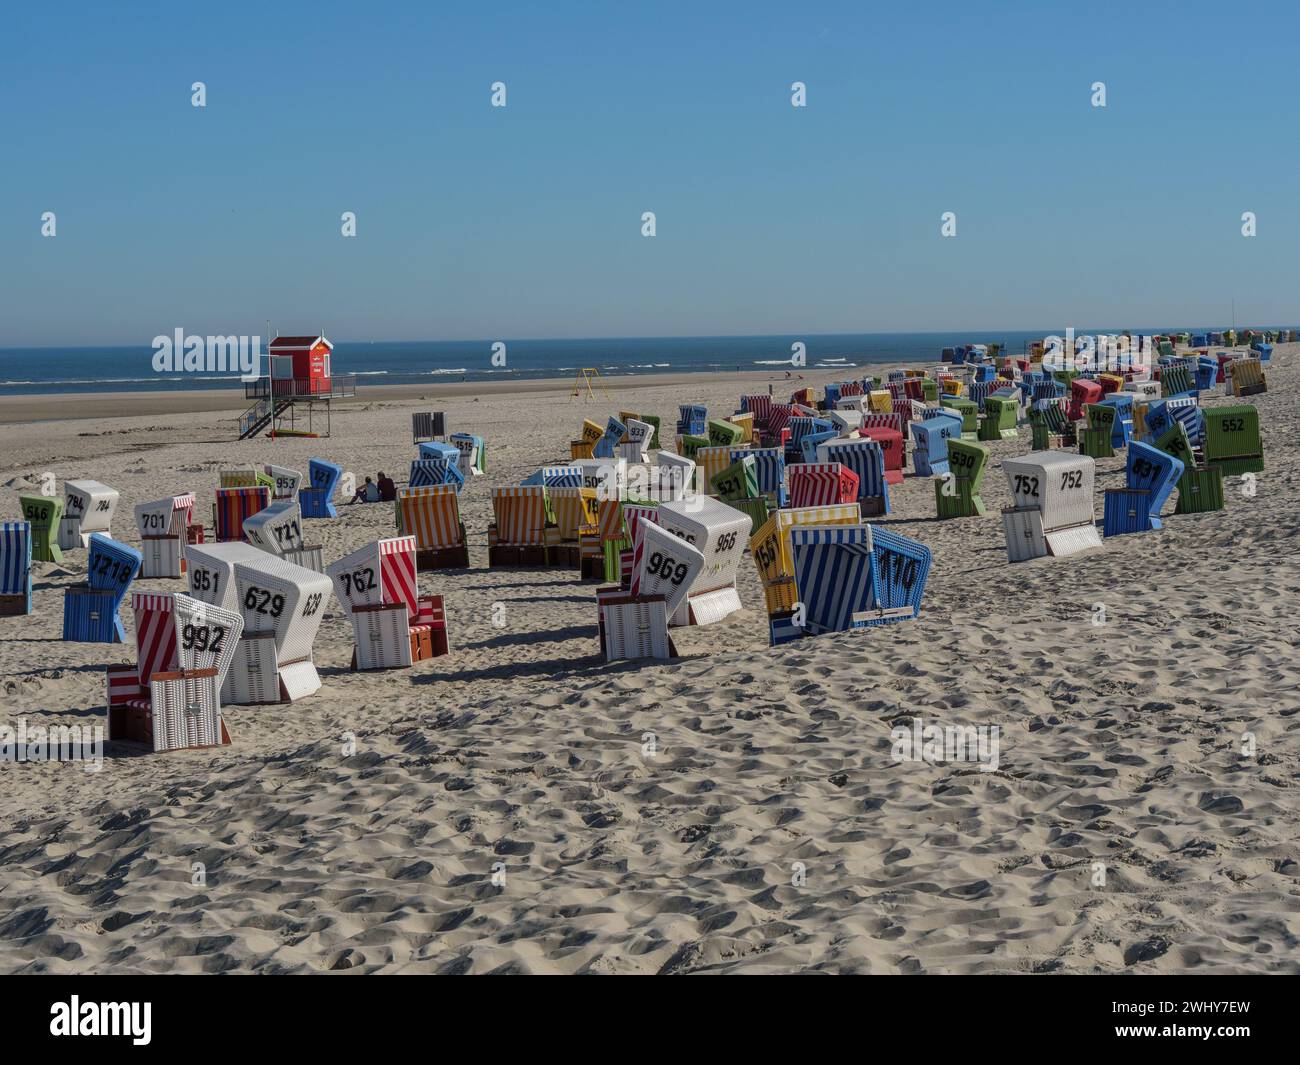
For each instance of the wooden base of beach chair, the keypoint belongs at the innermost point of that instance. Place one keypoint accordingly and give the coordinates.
(781, 596)
(872, 507)
(531, 556)
(90, 616)
(1235, 467)
(427, 635)
(428, 642)
(592, 568)
(131, 717)
(12, 606)
(634, 641)
(1095, 443)
(1200, 490)
(130, 724)
(442, 558)
(565, 556)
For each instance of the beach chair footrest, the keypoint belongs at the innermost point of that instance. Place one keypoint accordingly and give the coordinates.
(432, 558)
(565, 556)
(532, 556)
(12, 606)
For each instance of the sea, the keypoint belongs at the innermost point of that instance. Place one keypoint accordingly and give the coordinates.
(39, 371)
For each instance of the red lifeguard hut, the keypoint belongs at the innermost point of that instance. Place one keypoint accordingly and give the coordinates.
(298, 374)
(300, 365)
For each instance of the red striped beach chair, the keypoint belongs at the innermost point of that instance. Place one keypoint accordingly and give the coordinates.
(393, 625)
(820, 484)
(879, 420)
(760, 406)
(233, 505)
(171, 698)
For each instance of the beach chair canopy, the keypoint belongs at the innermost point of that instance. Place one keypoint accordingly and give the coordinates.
(521, 514)
(210, 571)
(431, 515)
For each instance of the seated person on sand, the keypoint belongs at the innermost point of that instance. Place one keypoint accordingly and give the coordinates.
(367, 493)
(387, 489)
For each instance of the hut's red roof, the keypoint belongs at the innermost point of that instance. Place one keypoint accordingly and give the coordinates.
(298, 343)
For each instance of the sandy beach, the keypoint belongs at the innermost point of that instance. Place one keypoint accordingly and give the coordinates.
(500, 812)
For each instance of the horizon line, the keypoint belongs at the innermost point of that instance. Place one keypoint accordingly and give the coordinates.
(656, 336)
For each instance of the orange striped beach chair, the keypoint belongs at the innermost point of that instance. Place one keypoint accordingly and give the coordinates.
(521, 532)
(600, 544)
(431, 513)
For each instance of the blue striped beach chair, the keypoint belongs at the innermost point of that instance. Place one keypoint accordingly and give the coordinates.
(930, 444)
(1151, 470)
(1182, 409)
(809, 444)
(317, 497)
(902, 568)
(980, 391)
(91, 610)
(15, 568)
(692, 420)
(440, 451)
(555, 477)
(1122, 430)
(835, 573)
(428, 472)
(866, 458)
(1049, 389)
(607, 446)
(769, 464)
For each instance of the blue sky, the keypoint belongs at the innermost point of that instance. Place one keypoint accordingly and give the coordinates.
(524, 221)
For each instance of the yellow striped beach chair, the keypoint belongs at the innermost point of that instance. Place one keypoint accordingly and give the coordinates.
(237, 478)
(1247, 377)
(573, 508)
(746, 423)
(575, 511)
(710, 461)
(770, 547)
